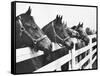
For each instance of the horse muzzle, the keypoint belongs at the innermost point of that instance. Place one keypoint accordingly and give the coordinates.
(69, 45)
(45, 45)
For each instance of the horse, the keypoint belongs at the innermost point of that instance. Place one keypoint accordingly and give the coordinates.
(82, 41)
(56, 32)
(83, 35)
(72, 33)
(89, 31)
(28, 34)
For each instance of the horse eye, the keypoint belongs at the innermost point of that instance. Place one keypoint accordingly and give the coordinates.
(36, 28)
(28, 24)
(62, 30)
(22, 28)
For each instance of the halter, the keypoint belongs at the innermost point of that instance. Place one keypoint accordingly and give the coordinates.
(56, 35)
(22, 29)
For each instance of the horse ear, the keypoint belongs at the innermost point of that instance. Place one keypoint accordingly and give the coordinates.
(28, 11)
(61, 18)
(79, 24)
(56, 17)
(66, 23)
(74, 27)
(82, 24)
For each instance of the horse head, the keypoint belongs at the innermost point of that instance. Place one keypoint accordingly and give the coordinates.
(27, 30)
(55, 30)
(71, 32)
(90, 31)
(82, 33)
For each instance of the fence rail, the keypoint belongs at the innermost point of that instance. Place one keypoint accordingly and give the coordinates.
(26, 53)
(71, 57)
(56, 65)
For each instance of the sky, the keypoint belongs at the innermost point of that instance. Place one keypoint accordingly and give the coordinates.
(72, 15)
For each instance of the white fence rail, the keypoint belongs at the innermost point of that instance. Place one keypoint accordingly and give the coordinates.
(56, 65)
(24, 54)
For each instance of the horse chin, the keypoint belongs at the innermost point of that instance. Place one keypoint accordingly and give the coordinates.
(47, 54)
(46, 46)
(69, 45)
(86, 40)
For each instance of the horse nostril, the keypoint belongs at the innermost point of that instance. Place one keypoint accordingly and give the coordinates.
(87, 42)
(78, 34)
(50, 47)
(72, 44)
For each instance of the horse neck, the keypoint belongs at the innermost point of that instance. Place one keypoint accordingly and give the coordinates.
(58, 35)
(68, 31)
(48, 30)
(83, 33)
(22, 40)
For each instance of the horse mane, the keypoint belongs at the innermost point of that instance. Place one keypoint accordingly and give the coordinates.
(56, 20)
(45, 28)
(73, 27)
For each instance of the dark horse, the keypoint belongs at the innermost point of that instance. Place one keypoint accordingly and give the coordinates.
(89, 31)
(28, 34)
(83, 35)
(72, 33)
(83, 40)
(56, 32)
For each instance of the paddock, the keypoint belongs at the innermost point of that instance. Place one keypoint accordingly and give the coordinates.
(62, 57)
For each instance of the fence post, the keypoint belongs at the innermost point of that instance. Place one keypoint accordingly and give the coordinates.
(58, 69)
(73, 55)
(70, 62)
(73, 58)
(90, 53)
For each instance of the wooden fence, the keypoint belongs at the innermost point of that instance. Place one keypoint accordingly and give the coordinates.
(70, 57)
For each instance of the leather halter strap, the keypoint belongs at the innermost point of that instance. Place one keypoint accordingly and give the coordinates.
(56, 35)
(22, 29)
